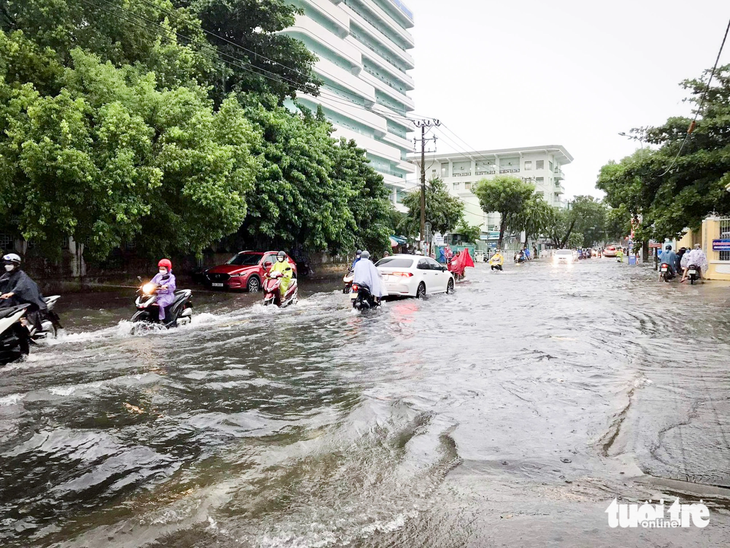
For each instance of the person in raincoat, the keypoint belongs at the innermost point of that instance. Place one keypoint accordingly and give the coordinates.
(697, 258)
(668, 257)
(620, 254)
(287, 272)
(357, 258)
(366, 274)
(16, 288)
(496, 261)
(166, 285)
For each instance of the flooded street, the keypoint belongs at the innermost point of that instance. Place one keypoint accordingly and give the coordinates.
(508, 414)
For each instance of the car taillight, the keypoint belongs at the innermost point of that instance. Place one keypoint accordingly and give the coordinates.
(402, 274)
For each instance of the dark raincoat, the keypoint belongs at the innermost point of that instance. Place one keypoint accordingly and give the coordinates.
(25, 291)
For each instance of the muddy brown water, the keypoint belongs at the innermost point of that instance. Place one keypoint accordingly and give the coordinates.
(508, 414)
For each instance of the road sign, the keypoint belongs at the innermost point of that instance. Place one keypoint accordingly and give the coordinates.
(720, 245)
(655, 245)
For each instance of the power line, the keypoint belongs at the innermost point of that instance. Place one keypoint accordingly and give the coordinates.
(693, 124)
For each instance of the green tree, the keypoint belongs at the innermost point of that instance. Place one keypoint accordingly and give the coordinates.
(468, 233)
(112, 158)
(369, 201)
(681, 179)
(443, 210)
(508, 196)
(247, 33)
(296, 200)
(534, 218)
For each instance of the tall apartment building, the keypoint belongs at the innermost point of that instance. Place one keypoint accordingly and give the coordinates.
(540, 165)
(362, 47)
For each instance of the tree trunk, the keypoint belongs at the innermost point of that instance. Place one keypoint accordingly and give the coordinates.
(502, 227)
(567, 234)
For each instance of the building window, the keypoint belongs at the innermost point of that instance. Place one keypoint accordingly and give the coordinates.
(6, 242)
(540, 180)
(467, 186)
(457, 186)
(540, 164)
(528, 165)
(551, 165)
(444, 169)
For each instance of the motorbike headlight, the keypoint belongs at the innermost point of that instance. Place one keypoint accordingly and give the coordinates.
(148, 288)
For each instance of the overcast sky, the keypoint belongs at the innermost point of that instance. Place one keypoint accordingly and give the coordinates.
(510, 73)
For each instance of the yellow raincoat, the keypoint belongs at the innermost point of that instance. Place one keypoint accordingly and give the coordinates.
(496, 259)
(286, 274)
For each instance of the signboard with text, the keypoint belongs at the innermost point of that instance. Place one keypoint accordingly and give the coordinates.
(720, 245)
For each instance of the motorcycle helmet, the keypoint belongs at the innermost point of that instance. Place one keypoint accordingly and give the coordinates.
(669, 248)
(12, 258)
(365, 255)
(358, 253)
(166, 264)
(280, 256)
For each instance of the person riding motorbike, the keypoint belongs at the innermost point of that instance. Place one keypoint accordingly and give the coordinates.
(669, 258)
(366, 274)
(496, 261)
(16, 288)
(287, 272)
(680, 255)
(358, 255)
(166, 285)
(697, 258)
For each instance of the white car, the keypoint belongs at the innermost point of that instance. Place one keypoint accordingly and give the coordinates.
(414, 276)
(563, 256)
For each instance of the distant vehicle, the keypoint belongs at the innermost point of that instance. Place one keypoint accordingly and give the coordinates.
(610, 251)
(414, 276)
(246, 270)
(563, 256)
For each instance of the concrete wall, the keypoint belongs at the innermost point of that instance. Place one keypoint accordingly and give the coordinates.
(718, 270)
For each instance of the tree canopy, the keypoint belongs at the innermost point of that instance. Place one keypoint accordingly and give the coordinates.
(678, 179)
(443, 210)
(508, 196)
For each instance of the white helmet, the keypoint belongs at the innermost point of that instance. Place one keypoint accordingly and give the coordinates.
(12, 258)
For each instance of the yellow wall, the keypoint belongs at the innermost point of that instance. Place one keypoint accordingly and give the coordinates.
(717, 270)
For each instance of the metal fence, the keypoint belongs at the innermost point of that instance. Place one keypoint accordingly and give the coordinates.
(724, 235)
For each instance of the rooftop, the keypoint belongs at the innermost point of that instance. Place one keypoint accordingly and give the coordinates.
(562, 156)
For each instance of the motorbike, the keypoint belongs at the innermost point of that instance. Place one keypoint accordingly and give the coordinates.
(180, 312)
(520, 258)
(272, 293)
(14, 336)
(347, 280)
(50, 322)
(666, 272)
(362, 298)
(693, 273)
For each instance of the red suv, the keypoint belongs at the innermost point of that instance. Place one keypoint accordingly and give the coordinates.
(245, 270)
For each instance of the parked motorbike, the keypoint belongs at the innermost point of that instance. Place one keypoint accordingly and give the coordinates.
(180, 312)
(362, 298)
(693, 273)
(666, 272)
(14, 336)
(347, 280)
(272, 293)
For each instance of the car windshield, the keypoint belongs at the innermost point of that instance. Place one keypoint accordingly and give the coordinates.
(245, 259)
(395, 262)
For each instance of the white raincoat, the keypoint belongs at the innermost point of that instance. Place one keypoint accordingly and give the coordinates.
(695, 257)
(366, 274)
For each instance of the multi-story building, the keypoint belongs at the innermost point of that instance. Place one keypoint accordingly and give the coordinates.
(364, 61)
(540, 165)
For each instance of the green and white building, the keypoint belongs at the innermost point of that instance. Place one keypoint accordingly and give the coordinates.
(363, 49)
(540, 165)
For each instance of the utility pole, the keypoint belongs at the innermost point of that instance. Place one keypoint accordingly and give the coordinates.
(424, 124)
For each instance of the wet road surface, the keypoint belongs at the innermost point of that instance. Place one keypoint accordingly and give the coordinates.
(508, 414)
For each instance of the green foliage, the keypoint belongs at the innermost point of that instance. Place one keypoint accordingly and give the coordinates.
(534, 218)
(508, 196)
(670, 200)
(112, 156)
(467, 233)
(369, 202)
(254, 26)
(443, 210)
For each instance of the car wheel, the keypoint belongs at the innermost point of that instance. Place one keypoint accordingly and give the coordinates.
(450, 286)
(421, 291)
(253, 285)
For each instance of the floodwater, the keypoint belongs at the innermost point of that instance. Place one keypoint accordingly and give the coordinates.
(508, 414)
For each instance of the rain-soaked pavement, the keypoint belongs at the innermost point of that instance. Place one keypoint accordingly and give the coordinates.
(508, 414)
